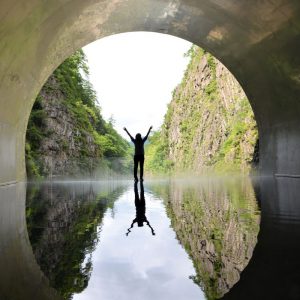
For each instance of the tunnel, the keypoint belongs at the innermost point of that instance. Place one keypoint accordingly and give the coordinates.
(257, 41)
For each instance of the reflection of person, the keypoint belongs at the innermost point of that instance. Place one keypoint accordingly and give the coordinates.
(139, 152)
(140, 206)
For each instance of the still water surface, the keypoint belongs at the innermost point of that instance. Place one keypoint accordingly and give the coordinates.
(161, 240)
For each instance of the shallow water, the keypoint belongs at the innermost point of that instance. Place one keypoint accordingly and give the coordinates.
(194, 237)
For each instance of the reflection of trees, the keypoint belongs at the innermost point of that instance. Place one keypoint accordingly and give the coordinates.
(63, 226)
(217, 223)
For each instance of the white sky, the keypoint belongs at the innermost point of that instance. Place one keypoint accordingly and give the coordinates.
(134, 75)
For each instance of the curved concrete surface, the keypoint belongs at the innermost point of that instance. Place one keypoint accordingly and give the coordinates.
(258, 41)
(20, 276)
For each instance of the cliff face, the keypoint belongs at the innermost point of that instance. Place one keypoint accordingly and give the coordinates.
(217, 224)
(66, 133)
(65, 147)
(209, 123)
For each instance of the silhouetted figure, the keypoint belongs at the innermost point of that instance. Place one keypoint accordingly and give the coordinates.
(140, 205)
(139, 154)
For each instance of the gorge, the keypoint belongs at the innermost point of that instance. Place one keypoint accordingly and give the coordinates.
(209, 125)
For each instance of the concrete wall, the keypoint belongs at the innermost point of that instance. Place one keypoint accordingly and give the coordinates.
(258, 41)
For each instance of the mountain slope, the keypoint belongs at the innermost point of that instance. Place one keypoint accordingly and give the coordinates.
(66, 133)
(209, 124)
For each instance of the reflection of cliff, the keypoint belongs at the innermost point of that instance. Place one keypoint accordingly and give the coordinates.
(63, 225)
(217, 224)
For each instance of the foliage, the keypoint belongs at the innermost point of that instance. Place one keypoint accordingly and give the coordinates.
(191, 138)
(79, 101)
(73, 84)
(33, 169)
(235, 137)
(157, 161)
(35, 134)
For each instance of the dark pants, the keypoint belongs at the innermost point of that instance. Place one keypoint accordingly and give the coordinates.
(138, 159)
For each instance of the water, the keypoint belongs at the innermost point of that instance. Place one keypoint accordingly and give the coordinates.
(139, 265)
(231, 239)
(194, 240)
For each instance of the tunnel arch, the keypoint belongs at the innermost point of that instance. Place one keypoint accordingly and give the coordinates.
(257, 43)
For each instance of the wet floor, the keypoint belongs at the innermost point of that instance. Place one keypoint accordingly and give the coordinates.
(229, 238)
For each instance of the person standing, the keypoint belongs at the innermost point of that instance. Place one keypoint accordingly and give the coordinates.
(139, 153)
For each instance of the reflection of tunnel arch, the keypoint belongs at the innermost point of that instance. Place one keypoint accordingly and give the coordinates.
(258, 43)
(21, 276)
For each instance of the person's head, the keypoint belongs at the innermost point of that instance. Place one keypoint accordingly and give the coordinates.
(138, 137)
(140, 223)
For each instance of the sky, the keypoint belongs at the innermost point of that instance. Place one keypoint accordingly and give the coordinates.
(134, 75)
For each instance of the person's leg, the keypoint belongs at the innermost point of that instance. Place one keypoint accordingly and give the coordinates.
(135, 167)
(142, 159)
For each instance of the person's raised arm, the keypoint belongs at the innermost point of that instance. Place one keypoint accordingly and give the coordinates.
(145, 138)
(129, 134)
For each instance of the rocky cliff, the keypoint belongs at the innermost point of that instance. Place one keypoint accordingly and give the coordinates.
(66, 133)
(209, 124)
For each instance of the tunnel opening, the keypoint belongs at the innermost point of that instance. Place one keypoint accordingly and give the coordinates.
(83, 206)
(258, 43)
(68, 136)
